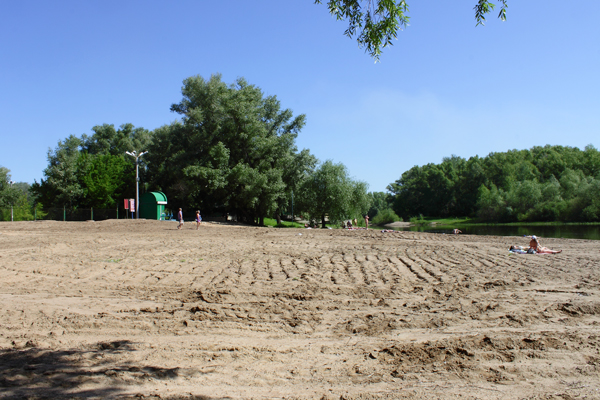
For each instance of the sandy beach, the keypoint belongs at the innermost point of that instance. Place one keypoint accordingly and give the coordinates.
(140, 310)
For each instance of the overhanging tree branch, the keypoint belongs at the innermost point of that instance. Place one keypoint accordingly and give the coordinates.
(375, 23)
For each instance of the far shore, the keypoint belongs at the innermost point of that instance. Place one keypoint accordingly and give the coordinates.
(398, 224)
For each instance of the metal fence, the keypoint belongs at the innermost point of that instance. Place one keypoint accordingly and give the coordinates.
(95, 214)
(62, 214)
(16, 214)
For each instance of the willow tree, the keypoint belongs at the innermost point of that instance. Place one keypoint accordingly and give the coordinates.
(330, 194)
(233, 151)
(375, 23)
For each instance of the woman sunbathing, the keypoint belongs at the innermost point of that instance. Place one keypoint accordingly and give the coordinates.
(534, 245)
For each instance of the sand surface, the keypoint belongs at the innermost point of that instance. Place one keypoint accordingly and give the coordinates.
(139, 309)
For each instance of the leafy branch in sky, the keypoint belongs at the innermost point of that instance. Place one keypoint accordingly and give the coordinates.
(376, 22)
(484, 7)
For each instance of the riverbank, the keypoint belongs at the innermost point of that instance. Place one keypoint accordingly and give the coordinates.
(119, 309)
(548, 230)
(398, 224)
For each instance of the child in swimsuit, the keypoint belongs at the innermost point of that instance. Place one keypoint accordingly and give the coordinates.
(198, 219)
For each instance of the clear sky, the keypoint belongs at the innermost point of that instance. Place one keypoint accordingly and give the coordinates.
(445, 87)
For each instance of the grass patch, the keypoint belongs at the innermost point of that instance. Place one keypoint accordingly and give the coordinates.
(420, 220)
(272, 222)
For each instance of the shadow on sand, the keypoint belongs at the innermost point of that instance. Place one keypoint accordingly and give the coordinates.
(34, 373)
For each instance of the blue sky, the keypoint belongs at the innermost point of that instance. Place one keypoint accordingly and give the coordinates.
(445, 87)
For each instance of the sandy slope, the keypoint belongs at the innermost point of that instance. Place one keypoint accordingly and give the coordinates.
(117, 309)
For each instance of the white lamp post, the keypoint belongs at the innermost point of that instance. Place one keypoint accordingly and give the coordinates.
(137, 180)
(11, 204)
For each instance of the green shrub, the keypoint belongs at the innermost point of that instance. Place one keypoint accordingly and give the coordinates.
(420, 220)
(385, 216)
(284, 224)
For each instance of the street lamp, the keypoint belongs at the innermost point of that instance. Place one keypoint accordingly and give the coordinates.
(137, 180)
(11, 203)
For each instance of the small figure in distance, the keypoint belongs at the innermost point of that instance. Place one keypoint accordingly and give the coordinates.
(367, 221)
(456, 231)
(355, 222)
(180, 219)
(349, 224)
(198, 219)
(536, 247)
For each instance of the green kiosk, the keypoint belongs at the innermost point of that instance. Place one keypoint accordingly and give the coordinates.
(152, 205)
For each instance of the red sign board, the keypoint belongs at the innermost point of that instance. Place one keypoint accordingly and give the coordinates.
(127, 204)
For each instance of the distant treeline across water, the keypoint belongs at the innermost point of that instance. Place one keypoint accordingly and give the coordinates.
(550, 183)
(589, 232)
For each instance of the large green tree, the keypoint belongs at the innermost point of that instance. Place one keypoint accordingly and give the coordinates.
(330, 194)
(107, 178)
(14, 202)
(375, 23)
(92, 171)
(107, 140)
(234, 150)
(379, 201)
(62, 183)
(9, 193)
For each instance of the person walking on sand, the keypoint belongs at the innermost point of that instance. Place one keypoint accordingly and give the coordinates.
(367, 221)
(198, 219)
(180, 219)
(456, 231)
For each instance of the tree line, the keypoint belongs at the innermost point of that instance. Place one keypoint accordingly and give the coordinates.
(550, 183)
(14, 195)
(233, 151)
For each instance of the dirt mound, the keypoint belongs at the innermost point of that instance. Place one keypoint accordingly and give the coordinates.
(579, 309)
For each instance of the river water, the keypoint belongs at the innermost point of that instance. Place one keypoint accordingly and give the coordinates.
(591, 232)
